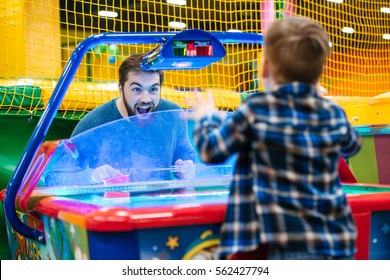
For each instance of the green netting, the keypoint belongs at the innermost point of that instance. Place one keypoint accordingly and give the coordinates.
(28, 97)
(66, 115)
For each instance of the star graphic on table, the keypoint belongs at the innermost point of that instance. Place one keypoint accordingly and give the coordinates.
(386, 228)
(173, 242)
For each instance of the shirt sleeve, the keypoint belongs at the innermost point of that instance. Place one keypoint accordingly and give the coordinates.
(184, 149)
(217, 139)
(66, 170)
(351, 143)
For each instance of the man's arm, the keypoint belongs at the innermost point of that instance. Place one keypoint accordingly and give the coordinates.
(184, 157)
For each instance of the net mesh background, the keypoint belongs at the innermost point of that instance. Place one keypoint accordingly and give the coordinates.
(38, 37)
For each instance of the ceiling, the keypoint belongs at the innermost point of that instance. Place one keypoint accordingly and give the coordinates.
(211, 15)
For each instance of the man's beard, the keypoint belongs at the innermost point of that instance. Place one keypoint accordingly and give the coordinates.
(130, 111)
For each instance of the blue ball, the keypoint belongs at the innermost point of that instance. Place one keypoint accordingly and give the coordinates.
(112, 59)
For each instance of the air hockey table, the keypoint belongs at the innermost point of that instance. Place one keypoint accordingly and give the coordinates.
(53, 210)
(108, 223)
(146, 213)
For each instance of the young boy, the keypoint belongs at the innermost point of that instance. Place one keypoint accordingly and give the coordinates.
(285, 200)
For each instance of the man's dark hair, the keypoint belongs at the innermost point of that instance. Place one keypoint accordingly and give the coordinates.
(133, 64)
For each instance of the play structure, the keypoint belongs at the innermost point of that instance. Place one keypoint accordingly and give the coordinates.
(145, 213)
(356, 74)
(39, 37)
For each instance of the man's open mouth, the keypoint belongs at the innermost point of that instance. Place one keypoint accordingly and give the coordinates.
(142, 110)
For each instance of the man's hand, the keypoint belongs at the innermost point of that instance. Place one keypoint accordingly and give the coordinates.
(185, 169)
(104, 172)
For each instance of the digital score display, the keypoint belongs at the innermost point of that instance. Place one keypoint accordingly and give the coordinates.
(189, 49)
(192, 48)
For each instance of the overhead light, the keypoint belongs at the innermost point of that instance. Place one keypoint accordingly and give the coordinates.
(336, 1)
(385, 10)
(177, 2)
(348, 30)
(177, 24)
(386, 36)
(110, 14)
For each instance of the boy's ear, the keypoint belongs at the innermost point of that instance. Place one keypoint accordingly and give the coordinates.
(264, 67)
(120, 90)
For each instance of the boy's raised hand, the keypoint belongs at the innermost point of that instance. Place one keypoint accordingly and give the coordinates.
(202, 105)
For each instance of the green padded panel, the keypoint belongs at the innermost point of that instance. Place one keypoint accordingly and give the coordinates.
(364, 164)
(27, 97)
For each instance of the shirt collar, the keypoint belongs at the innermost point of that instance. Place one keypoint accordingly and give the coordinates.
(296, 89)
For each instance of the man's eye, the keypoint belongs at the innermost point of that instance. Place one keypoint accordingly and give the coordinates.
(154, 89)
(137, 89)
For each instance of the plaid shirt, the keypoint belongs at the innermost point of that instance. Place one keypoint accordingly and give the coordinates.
(285, 191)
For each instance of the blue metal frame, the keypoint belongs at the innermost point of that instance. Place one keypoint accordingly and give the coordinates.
(61, 88)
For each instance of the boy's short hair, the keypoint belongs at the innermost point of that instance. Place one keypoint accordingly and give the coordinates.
(296, 48)
(133, 64)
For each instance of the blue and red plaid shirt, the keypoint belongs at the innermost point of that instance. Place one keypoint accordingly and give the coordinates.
(285, 190)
